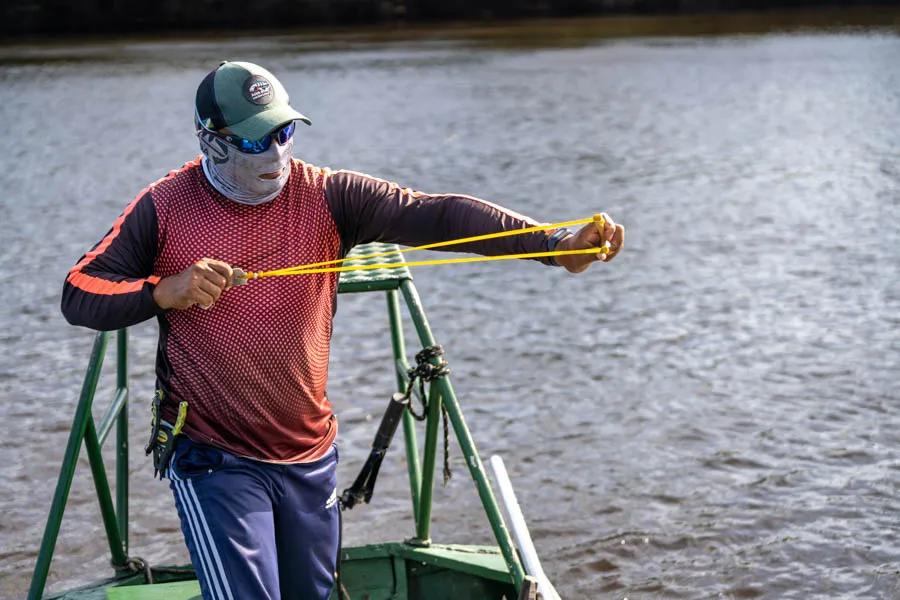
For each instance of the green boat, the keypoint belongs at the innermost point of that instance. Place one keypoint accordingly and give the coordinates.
(414, 569)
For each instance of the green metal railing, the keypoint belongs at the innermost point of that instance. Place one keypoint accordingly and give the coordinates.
(395, 282)
(83, 429)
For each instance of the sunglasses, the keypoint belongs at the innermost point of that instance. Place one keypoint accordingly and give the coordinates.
(282, 135)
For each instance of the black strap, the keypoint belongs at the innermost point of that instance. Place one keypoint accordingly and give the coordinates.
(364, 485)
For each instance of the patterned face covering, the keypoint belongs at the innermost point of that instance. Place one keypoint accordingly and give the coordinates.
(236, 174)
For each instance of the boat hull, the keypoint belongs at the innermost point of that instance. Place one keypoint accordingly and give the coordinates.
(390, 571)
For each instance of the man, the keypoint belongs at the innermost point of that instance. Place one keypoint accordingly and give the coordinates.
(253, 472)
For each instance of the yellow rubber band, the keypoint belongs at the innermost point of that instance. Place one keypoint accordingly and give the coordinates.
(437, 261)
(324, 267)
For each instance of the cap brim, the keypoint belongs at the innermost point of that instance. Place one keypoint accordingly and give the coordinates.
(266, 121)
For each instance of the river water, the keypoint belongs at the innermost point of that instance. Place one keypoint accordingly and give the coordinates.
(713, 415)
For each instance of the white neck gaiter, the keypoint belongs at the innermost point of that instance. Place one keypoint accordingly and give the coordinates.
(235, 174)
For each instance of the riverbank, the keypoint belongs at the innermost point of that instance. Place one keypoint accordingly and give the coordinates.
(17, 29)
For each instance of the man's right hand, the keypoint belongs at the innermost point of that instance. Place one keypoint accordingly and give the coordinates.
(202, 283)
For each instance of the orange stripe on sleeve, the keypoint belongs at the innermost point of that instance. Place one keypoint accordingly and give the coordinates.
(99, 285)
(105, 287)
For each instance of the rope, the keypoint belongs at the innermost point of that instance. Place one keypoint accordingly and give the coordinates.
(136, 564)
(329, 265)
(448, 474)
(426, 371)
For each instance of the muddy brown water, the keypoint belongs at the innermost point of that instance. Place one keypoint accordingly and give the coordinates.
(714, 415)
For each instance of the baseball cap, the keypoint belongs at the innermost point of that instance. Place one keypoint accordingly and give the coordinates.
(245, 98)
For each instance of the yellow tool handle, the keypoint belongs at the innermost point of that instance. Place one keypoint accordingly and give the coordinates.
(182, 415)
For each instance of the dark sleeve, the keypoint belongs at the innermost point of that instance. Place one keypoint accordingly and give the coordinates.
(112, 285)
(367, 209)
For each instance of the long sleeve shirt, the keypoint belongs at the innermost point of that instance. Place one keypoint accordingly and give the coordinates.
(253, 368)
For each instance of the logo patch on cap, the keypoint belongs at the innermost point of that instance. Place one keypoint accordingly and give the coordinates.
(258, 90)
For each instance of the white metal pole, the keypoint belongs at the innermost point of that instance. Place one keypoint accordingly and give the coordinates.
(519, 530)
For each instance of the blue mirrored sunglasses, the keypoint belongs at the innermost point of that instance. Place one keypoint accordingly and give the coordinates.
(282, 135)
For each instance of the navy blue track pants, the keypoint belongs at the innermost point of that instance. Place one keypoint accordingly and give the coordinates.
(257, 530)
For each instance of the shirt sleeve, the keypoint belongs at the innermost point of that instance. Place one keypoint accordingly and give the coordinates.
(111, 286)
(368, 209)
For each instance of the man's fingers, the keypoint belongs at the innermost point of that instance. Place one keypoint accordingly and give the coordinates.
(223, 269)
(216, 274)
(614, 234)
(203, 298)
(618, 240)
(215, 271)
(213, 289)
(609, 228)
(592, 238)
(214, 278)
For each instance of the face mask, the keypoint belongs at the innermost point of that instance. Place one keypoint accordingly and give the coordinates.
(235, 174)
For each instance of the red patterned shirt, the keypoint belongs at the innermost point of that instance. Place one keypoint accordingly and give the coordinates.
(253, 368)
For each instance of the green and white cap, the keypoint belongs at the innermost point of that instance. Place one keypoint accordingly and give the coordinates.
(245, 98)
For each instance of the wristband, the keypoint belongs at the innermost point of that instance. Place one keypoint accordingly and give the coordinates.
(554, 239)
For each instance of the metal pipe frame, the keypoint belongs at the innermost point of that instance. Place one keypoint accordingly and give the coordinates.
(111, 416)
(409, 428)
(104, 497)
(115, 517)
(122, 438)
(67, 471)
(432, 422)
(467, 444)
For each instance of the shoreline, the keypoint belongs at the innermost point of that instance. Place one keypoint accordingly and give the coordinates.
(516, 32)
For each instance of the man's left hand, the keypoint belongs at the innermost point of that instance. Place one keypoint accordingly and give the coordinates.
(590, 236)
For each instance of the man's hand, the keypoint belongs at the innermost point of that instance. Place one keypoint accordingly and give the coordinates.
(589, 236)
(202, 283)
